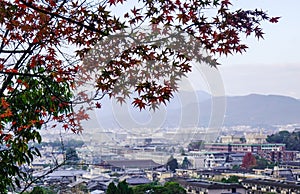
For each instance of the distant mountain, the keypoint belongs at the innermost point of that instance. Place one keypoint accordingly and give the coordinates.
(257, 109)
(190, 109)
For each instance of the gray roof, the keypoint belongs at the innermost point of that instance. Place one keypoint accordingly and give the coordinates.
(267, 182)
(208, 184)
(137, 180)
(66, 173)
(140, 164)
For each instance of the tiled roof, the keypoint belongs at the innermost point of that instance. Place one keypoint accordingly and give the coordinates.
(140, 164)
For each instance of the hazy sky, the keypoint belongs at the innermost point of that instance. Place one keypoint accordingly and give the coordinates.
(272, 65)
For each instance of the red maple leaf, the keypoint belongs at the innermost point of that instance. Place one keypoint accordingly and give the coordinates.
(274, 19)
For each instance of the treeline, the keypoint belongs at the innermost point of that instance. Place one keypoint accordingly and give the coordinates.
(72, 143)
(291, 140)
(154, 188)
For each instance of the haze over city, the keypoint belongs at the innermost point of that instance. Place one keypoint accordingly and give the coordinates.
(271, 65)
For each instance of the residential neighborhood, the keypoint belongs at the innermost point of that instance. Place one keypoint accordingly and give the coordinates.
(232, 164)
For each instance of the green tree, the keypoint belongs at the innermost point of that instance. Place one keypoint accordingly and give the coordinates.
(186, 163)
(112, 189)
(231, 179)
(121, 188)
(262, 163)
(72, 156)
(236, 167)
(41, 190)
(50, 51)
(279, 137)
(196, 145)
(182, 152)
(172, 164)
(173, 187)
(291, 140)
(153, 188)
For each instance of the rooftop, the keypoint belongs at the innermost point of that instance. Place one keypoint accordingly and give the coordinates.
(140, 164)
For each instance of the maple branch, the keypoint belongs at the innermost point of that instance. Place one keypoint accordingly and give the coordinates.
(21, 74)
(16, 67)
(3, 39)
(14, 51)
(91, 28)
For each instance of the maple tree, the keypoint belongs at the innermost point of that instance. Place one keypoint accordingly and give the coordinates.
(249, 161)
(50, 49)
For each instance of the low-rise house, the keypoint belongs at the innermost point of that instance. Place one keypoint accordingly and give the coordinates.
(123, 165)
(63, 177)
(213, 160)
(209, 187)
(136, 180)
(159, 174)
(271, 186)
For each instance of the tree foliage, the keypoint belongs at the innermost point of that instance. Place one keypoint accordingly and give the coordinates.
(72, 143)
(249, 161)
(121, 188)
(50, 49)
(291, 140)
(112, 188)
(196, 145)
(262, 163)
(72, 156)
(40, 190)
(231, 179)
(167, 188)
(186, 164)
(172, 164)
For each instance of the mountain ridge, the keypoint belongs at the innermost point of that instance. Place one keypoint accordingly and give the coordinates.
(194, 108)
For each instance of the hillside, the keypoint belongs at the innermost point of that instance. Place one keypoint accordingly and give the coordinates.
(190, 109)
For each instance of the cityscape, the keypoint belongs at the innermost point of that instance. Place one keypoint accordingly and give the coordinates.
(149, 97)
(223, 166)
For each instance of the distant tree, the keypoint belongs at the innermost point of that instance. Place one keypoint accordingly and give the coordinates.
(172, 164)
(72, 143)
(249, 161)
(196, 145)
(112, 189)
(231, 179)
(148, 141)
(72, 156)
(172, 150)
(291, 140)
(262, 163)
(279, 137)
(173, 187)
(243, 140)
(41, 190)
(182, 152)
(142, 189)
(236, 167)
(186, 163)
(123, 188)
(167, 188)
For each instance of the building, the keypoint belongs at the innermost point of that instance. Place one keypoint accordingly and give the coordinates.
(271, 186)
(254, 138)
(127, 165)
(243, 148)
(209, 187)
(213, 160)
(230, 139)
(272, 152)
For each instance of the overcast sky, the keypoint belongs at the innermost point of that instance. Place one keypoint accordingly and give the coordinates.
(272, 65)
